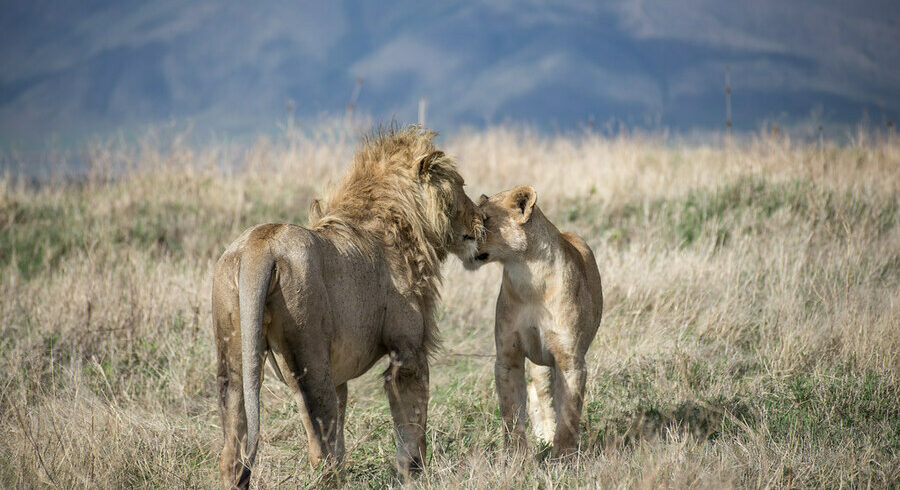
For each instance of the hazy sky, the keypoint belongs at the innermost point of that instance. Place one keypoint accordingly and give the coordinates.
(71, 69)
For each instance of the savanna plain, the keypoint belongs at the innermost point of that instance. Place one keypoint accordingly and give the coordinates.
(750, 338)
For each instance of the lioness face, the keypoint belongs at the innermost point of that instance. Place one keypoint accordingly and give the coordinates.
(468, 228)
(505, 216)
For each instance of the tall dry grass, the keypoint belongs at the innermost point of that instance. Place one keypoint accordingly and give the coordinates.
(751, 335)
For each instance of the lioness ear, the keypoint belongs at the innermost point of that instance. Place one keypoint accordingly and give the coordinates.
(521, 200)
(424, 166)
(483, 199)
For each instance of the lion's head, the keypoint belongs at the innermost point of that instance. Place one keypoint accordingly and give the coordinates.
(457, 219)
(406, 196)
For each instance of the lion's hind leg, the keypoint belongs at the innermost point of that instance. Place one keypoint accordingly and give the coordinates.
(341, 391)
(232, 470)
(307, 372)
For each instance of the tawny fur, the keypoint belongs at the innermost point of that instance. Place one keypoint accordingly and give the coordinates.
(377, 204)
(325, 303)
(548, 311)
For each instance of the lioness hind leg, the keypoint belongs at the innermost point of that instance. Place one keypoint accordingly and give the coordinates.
(568, 397)
(406, 383)
(540, 403)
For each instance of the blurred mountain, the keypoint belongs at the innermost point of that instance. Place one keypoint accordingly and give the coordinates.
(70, 70)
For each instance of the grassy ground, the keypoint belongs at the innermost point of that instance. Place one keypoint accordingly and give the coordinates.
(751, 335)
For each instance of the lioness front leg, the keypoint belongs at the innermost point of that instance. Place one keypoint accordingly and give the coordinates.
(568, 396)
(540, 403)
(406, 383)
(509, 373)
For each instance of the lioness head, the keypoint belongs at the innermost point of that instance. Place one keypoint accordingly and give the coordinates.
(505, 216)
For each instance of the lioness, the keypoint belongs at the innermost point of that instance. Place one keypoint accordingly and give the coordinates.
(548, 311)
(325, 303)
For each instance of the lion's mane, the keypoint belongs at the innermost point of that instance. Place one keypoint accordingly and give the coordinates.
(383, 202)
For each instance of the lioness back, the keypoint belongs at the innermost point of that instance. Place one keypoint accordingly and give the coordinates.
(584, 257)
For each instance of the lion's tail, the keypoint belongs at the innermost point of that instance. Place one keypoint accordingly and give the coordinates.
(253, 285)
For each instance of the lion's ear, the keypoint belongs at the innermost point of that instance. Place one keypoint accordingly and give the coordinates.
(315, 210)
(521, 201)
(425, 164)
(483, 199)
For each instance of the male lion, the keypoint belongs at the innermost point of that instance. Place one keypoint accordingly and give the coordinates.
(325, 303)
(549, 309)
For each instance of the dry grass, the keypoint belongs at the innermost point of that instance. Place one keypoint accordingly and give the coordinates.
(751, 335)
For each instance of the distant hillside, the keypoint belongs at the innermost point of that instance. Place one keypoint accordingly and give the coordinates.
(68, 71)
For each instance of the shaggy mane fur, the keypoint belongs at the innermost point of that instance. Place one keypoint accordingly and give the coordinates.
(397, 196)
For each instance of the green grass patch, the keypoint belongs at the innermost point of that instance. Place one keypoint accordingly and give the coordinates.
(746, 206)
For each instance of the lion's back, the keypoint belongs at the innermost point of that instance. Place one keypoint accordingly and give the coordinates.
(269, 238)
